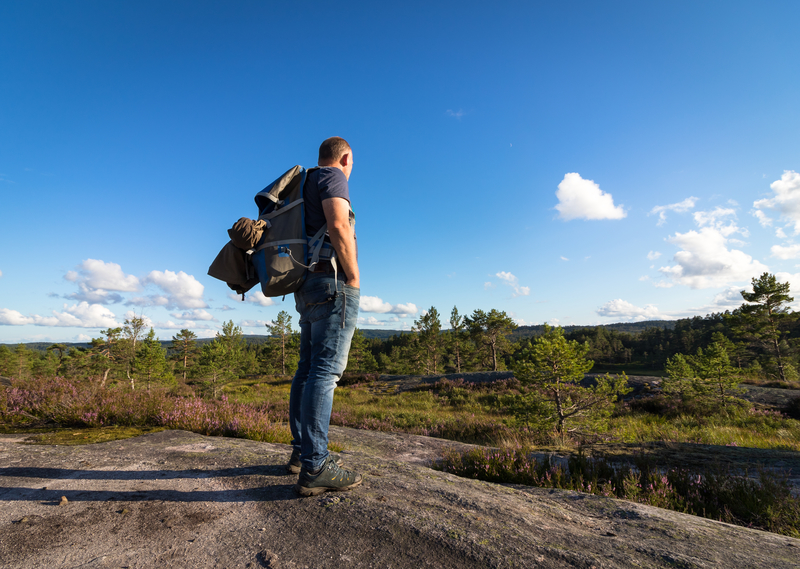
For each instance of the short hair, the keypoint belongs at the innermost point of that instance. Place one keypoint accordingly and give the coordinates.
(332, 149)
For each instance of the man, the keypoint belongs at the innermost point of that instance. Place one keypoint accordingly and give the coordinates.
(328, 307)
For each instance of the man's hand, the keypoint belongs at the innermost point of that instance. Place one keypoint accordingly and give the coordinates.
(343, 237)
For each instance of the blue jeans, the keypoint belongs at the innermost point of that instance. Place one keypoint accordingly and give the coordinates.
(327, 323)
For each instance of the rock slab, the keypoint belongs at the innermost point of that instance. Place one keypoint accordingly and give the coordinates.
(178, 499)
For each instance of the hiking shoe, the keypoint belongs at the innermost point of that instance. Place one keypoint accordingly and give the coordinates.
(330, 477)
(295, 465)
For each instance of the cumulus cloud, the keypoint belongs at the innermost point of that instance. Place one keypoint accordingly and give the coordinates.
(98, 274)
(680, 207)
(786, 200)
(379, 306)
(788, 252)
(653, 255)
(583, 199)
(225, 307)
(705, 261)
(255, 324)
(489, 285)
(10, 317)
(196, 314)
(100, 282)
(513, 282)
(1, 274)
(780, 233)
(181, 290)
(152, 300)
(624, 310)
(372, 321)
(81, 315)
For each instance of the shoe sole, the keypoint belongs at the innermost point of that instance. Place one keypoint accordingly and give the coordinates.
(317, 490)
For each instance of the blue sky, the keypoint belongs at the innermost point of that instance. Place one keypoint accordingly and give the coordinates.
(570, 162)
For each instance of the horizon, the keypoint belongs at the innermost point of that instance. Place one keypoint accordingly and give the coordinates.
(573, 164)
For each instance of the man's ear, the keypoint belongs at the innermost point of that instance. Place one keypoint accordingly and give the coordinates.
(345, 159)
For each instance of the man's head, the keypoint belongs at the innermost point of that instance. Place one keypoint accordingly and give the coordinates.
(335, 152)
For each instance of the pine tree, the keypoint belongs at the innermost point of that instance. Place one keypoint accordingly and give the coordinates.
(489, 330)
(151, 360)
(768, 306)
(185, 345)
(555, 367)
(456, 336)
(281, 333)
(428, 329)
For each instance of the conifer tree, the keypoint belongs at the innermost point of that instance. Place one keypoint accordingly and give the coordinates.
(489, 330)
(281, 333)
(555, 367)
(428, 328)
(185, 345)
(767, 306)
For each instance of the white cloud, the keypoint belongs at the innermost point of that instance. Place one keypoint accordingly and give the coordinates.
(717, 219)
(379, 306)
(457, 114)
(786, 200)
(96, 274)
(188, 324)
(554, 322)
(762, 218)
(513, 282)
(489, 285)
(196, 314)
(10, 317)
(372, 321)
(81, 315)
(83, 338)
(653, 255)
(1, 274)
(780, 233)
(225, 307)
(182, 290)
(563, 258)
(679, 207)
(99, 282)
(644, 278)
(583, 199)
(705, 261)
(727, 300)
(253, 297)
(624, 310)
(152, 300)
(94, 296)
(256, 324)
(788, 252)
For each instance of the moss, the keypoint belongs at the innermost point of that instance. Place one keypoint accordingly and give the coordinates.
(89, 435)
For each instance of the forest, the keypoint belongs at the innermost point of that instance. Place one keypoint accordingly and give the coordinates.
(761, 340)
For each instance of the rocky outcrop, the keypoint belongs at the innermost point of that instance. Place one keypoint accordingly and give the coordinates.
(178, 499)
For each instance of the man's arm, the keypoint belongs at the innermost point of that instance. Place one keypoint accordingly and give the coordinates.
(343, 237)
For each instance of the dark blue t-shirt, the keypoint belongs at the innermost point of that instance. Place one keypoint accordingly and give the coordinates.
(320, 185)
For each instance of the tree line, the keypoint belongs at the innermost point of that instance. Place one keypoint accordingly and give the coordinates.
(761, 338)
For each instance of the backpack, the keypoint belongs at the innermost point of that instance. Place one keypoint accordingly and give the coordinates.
(279, 255)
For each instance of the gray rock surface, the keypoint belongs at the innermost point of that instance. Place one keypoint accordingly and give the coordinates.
(178, 499)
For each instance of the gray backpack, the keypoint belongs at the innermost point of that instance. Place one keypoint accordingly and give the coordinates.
(278, 253)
